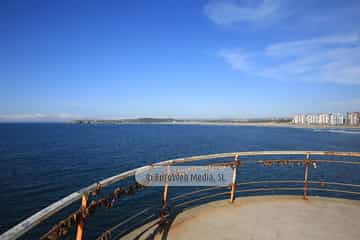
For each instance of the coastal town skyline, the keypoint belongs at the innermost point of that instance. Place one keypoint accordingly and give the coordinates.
(334, 119)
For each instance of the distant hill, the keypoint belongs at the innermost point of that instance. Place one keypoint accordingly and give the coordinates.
(173, 120)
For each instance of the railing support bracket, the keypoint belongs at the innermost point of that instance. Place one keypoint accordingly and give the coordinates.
(233, 184)
(306, 175)
(80, 226)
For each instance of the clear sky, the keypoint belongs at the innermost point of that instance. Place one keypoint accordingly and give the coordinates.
(177, 58)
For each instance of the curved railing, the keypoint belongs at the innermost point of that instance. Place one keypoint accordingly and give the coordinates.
(237, 160)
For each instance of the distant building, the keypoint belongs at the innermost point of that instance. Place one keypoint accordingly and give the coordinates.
(299, 119)
(312, 119)
(324, 119)
(341, 119)
(302, 119)
(337, 119)
(353, 118)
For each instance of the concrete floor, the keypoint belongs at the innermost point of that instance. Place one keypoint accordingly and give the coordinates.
(270, 218)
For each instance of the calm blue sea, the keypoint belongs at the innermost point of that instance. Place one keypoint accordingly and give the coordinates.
(40, 163)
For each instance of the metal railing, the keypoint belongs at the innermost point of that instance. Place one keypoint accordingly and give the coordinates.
(238, 159)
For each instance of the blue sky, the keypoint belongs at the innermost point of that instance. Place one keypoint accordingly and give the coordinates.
(64, 59)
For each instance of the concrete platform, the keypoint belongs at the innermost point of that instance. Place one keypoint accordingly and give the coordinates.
(268, 217)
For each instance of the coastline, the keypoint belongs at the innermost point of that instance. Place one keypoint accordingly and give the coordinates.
(224, 123)
(266, 124)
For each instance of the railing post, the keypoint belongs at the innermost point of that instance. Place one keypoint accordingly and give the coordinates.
(233, 184)
(306, 175)
(80, 226)
(165, 192)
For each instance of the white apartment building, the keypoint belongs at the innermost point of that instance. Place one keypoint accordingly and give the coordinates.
(353, 118)
(312, 119)
(337, 119)
(324, 118)
(299, 119)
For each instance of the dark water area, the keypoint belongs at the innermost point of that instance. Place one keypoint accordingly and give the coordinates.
(41, 163)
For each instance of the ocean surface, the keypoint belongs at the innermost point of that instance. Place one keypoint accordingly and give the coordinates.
(41, 163)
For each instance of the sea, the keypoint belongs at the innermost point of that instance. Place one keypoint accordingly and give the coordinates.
(42, 162)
